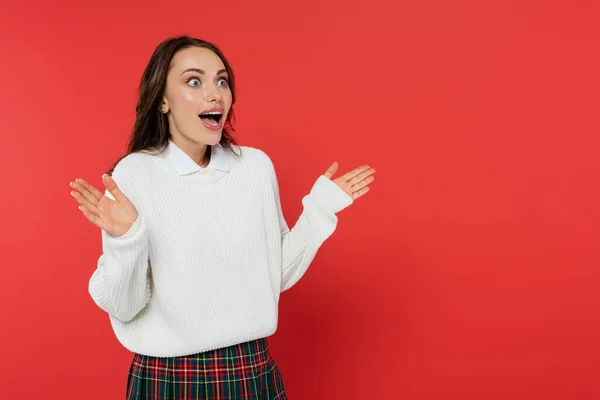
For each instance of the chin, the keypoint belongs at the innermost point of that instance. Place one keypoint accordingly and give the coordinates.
(214, 139)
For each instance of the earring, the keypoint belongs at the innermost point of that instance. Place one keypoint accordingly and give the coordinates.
(163, 110)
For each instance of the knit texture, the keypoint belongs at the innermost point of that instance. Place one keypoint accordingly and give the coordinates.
(204, 264)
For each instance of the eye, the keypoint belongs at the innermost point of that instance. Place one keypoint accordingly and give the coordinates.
(222, 82)
(193, 82)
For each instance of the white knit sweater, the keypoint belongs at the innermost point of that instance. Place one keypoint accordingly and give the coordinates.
(203, 265)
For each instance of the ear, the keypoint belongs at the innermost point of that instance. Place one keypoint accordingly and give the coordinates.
(164, 106)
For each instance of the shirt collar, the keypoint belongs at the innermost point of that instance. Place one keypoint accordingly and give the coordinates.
(184, 164)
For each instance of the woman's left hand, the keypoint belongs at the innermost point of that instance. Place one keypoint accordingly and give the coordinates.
(354, 183)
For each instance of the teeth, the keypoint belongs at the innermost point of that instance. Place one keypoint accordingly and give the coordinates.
(212, 113)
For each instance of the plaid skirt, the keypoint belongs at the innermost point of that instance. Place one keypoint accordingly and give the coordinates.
(244, 371)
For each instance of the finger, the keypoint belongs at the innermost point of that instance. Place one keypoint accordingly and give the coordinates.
(93, 218)
(331, 170)
(349, 175)
(112, 187)
(363, 183)
(363, 175)
(84, 202)
(89, 187)
(360, 193)
(81, 189)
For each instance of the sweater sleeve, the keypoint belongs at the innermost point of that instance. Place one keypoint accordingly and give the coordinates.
(316, 223)
(120, 285)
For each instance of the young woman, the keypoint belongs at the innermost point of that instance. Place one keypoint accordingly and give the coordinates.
(195, 248)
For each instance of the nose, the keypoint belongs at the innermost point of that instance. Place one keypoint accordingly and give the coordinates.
(212, 93)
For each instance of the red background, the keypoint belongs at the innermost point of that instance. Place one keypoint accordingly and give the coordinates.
(470, 271)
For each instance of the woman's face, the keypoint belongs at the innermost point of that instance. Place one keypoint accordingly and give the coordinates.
(197, 97)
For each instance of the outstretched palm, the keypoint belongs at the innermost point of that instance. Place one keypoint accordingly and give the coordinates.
(354, 182)
(113, 216)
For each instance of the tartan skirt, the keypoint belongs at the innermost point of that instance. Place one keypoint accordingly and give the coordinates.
(244, 371)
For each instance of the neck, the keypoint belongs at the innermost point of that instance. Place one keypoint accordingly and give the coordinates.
(206, 159)
(200, 153)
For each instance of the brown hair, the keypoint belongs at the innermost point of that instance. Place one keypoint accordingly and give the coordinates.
(151, 128)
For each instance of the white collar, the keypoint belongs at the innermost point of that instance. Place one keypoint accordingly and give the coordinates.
(184, 164)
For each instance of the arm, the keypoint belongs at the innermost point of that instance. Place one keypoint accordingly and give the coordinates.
(316, 223)
(120, 285)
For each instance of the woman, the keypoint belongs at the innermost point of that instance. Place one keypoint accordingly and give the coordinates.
(195, 248)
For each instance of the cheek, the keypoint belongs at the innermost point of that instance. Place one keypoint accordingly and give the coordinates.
(188, 96)
(227, 97)
(184, 105)
(182, 96)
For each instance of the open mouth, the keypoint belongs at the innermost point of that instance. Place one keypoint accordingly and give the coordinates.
(211, 118)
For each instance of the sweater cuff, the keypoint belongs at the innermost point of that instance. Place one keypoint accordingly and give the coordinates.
(329, 195)
(132, 233)
(127, 248)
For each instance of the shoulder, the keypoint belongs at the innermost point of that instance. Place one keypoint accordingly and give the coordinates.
(256, 156)
(261, 165)
(132, 173)
(132, 165)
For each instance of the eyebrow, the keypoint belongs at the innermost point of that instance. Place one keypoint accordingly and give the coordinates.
(200, 71)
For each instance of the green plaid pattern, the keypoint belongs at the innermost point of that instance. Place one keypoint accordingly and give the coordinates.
(244, 371)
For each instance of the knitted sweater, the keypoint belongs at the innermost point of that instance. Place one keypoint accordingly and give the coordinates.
(203, 265)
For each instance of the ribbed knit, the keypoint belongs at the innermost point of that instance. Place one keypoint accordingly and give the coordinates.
(203, 265)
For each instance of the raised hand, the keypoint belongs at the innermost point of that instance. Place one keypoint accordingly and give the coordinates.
(114, 216)
(355, 182)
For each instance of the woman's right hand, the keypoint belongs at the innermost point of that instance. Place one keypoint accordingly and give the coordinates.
(114, 216)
